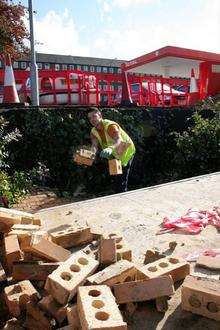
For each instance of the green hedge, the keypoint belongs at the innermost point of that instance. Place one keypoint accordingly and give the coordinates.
(49, 137)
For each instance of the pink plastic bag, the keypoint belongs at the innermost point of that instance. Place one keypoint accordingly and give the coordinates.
(192, 222)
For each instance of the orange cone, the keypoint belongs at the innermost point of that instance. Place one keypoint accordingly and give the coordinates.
(126, 95)
(10, 94)
(193, 89)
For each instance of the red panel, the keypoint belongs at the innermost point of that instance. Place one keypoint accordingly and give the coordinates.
(172, 51)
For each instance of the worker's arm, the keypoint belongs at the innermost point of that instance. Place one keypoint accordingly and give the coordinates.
(116, 137)
(95, 143)
(114, 133)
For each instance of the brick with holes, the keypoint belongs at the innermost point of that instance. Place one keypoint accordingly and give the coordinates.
(17, 296)
(123, 251)
(62, 284)
(136, 291)
(174, 266)
(92, 249)
(116, 273)
(98, 310)
(201, 296)
(12, 250)
(72, 236)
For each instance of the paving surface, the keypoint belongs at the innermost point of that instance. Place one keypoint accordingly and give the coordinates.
(138, 214)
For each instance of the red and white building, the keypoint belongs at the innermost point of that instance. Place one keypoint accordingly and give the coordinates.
(159, 78)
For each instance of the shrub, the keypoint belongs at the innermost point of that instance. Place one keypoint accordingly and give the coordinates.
(199, 146)
(13, 186)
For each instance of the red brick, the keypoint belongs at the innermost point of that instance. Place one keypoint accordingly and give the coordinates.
(35, 270)
(209, 262)
(72, 236)
(116, 273)
(73, 316)
(201, 296)
(107, 251)
(174, 266)
(50, 251)
(40, 316)
(12, 250)
(17, 296)
(98, 310)
(62, 284)
(136, 291)
(115, 167)
(52, 307)
(2, 274)
(83, 160)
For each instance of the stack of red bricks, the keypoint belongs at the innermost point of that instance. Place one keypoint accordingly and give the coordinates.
(45, 284)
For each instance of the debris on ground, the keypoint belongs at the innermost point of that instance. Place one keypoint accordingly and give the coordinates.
(76, 278)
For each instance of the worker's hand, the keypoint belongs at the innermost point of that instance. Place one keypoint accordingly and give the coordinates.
(105, 153)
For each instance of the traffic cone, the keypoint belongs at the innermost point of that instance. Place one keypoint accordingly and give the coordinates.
(193, 89)
(10, 94)
(125, 95)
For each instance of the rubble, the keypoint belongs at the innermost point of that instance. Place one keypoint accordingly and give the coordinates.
(55, 288)
(201, 296)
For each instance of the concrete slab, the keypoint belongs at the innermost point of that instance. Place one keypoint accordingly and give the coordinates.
(138, 214)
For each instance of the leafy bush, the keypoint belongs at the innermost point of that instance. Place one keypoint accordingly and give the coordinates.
(51, 136)
(199, 146)
(17, 184)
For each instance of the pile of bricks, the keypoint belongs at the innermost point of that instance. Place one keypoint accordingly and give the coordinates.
(45, 284)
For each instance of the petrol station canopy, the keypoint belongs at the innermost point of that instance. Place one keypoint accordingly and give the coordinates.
(171, 61)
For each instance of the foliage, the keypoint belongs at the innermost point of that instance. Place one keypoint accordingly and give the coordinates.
(171, 144)
(199, 147)
(12, 28)
(17, 184)
(51, 136)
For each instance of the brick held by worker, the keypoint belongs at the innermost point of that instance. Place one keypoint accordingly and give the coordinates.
(113, 142)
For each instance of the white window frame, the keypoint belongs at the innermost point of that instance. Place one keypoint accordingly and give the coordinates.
(78, 67)
(23, 65)
(57, 67)
(15, 65)
(47, 66)
(40, 66)
(85, 68)
(71, 67)
(92, 68)
(64, 67)
(111, 70)
(99, 69)
(105, 69)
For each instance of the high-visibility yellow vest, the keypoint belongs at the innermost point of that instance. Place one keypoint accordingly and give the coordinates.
(128, 153)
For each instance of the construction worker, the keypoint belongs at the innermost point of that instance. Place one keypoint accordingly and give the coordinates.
(109, 137)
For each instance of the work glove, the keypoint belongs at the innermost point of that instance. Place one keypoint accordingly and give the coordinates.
(106, 153)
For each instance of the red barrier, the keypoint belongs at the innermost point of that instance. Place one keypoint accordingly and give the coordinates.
(80, 88)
